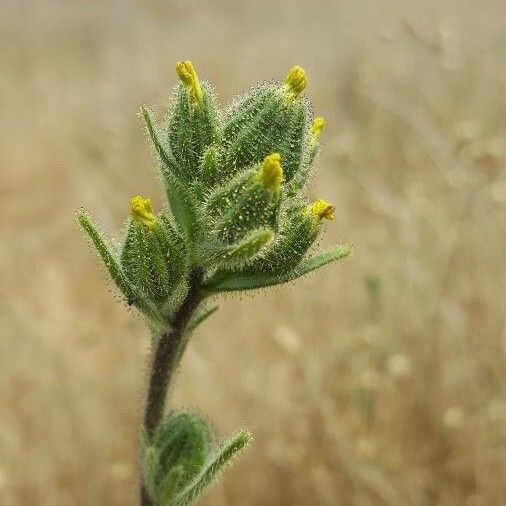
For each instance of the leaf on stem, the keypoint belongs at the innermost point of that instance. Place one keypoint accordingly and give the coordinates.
(113, 267)
(226, 453)
(180, 199)
(229, 282)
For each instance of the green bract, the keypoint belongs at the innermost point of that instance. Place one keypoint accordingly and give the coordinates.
(235, 220)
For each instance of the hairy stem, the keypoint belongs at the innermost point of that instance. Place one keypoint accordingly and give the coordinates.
(165, 361)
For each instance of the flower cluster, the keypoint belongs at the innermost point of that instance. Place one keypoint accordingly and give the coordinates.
(233, 182)
(236, 220)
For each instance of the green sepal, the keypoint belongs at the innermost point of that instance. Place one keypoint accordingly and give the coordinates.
(223, 457)
(230, 281)
(253, 207)
(293, 145)
(144, 260)
(255, 132)
(299, 231)
(183, 207)
(181, 200)
(221, 199)
(245, 250)
(176, 298)
(300, 177)
(178, 259)
(191, 129)
(242, 120)
(131, 292)
(265, 121)
(209, 165)
(244, 109)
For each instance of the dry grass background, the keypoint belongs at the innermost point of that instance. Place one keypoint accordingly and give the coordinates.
(380, 381)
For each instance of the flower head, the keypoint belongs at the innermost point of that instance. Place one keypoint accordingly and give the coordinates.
(271, 173)
(189, 78)
(321, 209)
(316, 129)
(142, 211)
(296, 81)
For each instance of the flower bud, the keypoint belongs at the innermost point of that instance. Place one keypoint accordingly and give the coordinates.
(270, 118)
(271, 173)
(145, 252)
(189, 78)
(193, 123)
(299, 231)
(296, 81)
(316, 129)
(320, 209)
(250, 204)
(142, 211)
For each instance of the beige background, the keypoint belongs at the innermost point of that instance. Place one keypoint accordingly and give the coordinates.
(378, 381)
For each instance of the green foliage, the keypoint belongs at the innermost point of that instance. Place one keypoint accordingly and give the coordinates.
(236, 220)
(229, 281)
(181, 460)
(233, 183)
(221, 458)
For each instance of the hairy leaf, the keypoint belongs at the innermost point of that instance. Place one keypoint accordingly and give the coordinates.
(179, 194)
(226, 453)
(228, 282)
(111, 263)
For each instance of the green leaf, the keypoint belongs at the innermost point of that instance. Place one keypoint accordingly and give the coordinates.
(179, 196)
(169, 485)
(192, 325)
(165, 155)
(246, 249)
(201, 317)
(227, 282)
(114, 269)
(183, 439)
(226, 453)
(108, 258)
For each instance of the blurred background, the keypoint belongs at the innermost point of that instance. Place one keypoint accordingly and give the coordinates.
(377, 381)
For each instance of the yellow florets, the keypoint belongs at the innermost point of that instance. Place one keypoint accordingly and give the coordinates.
(296, 81)
(271, 173)
(188, 76)
(316, 129)
(322, 209)
(142, 210)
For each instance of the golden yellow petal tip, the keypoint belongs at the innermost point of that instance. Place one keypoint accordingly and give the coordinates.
(322, 209)
(142, 211)
(316, 129)
(189, 78)
(296, 81)
(271, 173)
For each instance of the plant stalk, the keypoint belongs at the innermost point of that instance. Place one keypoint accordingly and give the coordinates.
(164, 363)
